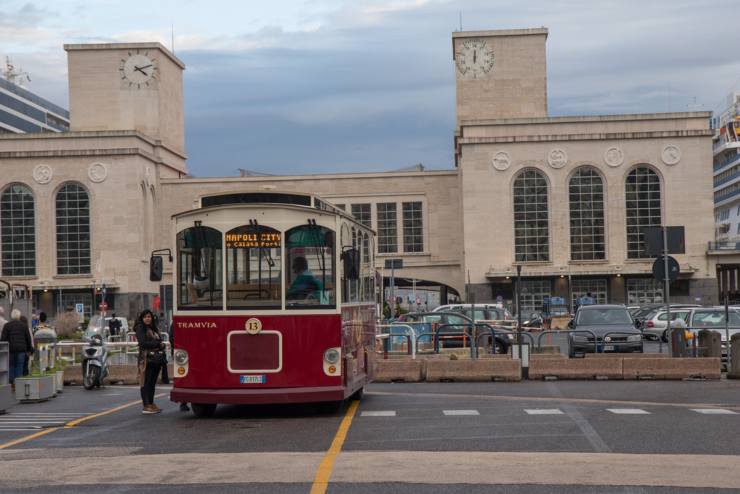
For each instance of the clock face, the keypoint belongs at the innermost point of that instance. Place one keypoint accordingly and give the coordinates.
(474, 58)
(138, 70)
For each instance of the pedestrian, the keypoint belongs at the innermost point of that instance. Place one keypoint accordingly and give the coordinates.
(19, 343)
(114, 325)
(34, 321)
(151, 358)
(26, 364)
(2, 318)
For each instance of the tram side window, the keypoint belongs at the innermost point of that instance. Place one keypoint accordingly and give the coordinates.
(253, 267)
(199, 258)
(311, 278)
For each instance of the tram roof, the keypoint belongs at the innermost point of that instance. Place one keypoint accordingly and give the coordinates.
(292, 200)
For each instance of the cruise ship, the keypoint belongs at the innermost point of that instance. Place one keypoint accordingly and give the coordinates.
(23, 112)
(726, 153)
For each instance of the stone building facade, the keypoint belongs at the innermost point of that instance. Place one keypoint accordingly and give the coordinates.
(565, 197)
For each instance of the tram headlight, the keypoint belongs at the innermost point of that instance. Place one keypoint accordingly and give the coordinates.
(181, 357)
(331, 355)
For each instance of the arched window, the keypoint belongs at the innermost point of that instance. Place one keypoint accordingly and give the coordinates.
(531, 218)
(18, 224)
(586, 194)
(199, 264)
(253, 267)
(642, 193)
(310, 281)
(73, 230)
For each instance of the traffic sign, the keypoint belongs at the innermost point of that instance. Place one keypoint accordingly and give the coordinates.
(659, 269)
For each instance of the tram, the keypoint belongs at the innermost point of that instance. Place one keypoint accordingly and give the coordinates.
(274, 302)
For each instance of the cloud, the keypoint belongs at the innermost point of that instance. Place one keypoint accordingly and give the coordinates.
(340, 85)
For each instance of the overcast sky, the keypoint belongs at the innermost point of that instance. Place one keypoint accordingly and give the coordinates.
(310, 86)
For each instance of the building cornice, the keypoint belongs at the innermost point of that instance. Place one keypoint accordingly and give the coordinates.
(599, 136)
(151, 45)
(588, 119)
(293, 178)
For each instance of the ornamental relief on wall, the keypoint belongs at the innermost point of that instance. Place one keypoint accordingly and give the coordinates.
(43, 174)
(557, 158)
(97, 172)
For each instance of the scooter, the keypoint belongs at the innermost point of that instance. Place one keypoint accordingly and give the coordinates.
(94, 362)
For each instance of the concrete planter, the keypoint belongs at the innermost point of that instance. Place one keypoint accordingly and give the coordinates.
(33, 389)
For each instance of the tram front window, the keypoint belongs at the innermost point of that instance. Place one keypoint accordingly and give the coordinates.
(253, 274)
(310, 256)
(199, 258)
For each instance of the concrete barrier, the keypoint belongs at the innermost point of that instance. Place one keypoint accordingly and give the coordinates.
(671, 368)
(405, 370)
(490, 369)
(578, 368)
(117, 374)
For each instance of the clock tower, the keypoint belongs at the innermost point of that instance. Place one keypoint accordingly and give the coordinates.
(500, 74)
(127, 86)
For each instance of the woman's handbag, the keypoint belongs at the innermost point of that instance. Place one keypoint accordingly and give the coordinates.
(157, 357)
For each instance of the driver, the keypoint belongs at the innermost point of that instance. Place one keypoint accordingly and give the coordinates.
(305, 285)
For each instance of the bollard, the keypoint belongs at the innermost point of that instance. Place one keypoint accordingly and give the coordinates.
(678, 342)
(710, 343)
(733, 367)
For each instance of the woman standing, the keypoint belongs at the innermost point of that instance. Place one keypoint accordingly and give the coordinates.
(151, 358)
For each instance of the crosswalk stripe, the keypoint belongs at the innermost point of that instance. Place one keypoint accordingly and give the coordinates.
(460, 412)
(543, 411)
(379, 413)
(713, 411)
(628, 411)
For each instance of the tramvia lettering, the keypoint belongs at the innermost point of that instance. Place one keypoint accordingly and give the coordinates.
(197, 325)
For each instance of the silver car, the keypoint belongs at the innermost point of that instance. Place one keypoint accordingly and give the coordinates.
(656, 326)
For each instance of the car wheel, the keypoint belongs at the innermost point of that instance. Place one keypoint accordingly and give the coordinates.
(664, 337)
(571, 352)
(500, 347)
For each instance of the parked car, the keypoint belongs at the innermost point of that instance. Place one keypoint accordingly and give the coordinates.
(713, 318)
(486, 312)
(647, 312)
(655, 327)
(453, 336)
(603, 320)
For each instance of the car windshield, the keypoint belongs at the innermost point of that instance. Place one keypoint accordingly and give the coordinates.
(598, 317)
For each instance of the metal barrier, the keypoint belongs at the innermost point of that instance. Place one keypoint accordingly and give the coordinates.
(572, 331)
(464, 335)
(74, 345)
(411, 338)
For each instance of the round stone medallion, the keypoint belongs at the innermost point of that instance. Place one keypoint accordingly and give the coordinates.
(501, 161)
(671, 154)
(557, 158)
(42, 174)
(97, 172)
(614, 156)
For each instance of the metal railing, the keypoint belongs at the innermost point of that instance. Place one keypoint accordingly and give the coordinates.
(570, 331)
(410, 336)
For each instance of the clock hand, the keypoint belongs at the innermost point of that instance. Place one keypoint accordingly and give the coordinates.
(140, 69)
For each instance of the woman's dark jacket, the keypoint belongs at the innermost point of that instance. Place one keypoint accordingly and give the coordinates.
(18, 338)
(145, 342)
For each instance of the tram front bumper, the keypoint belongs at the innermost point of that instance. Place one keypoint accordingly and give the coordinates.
(256, 396)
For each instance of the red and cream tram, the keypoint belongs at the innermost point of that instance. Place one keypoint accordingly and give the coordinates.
(274, 302)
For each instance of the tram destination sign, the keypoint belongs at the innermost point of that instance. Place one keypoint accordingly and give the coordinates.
(252, 240)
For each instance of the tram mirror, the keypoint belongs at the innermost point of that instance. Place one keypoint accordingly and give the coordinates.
(155, 268)
(351, 260)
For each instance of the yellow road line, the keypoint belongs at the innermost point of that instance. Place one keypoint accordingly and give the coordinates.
(29, 437)
(321, 481)
(71, 423)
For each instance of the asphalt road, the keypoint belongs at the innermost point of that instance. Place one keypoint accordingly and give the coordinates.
(538, 437)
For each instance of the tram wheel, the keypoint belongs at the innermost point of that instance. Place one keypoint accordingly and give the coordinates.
(203, 409)
(357, 395)
(330, 407)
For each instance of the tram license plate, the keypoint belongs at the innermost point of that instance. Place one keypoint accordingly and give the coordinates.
(608, 348)
(260, 379)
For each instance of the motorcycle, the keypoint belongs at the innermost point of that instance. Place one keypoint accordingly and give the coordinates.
(94, 362)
